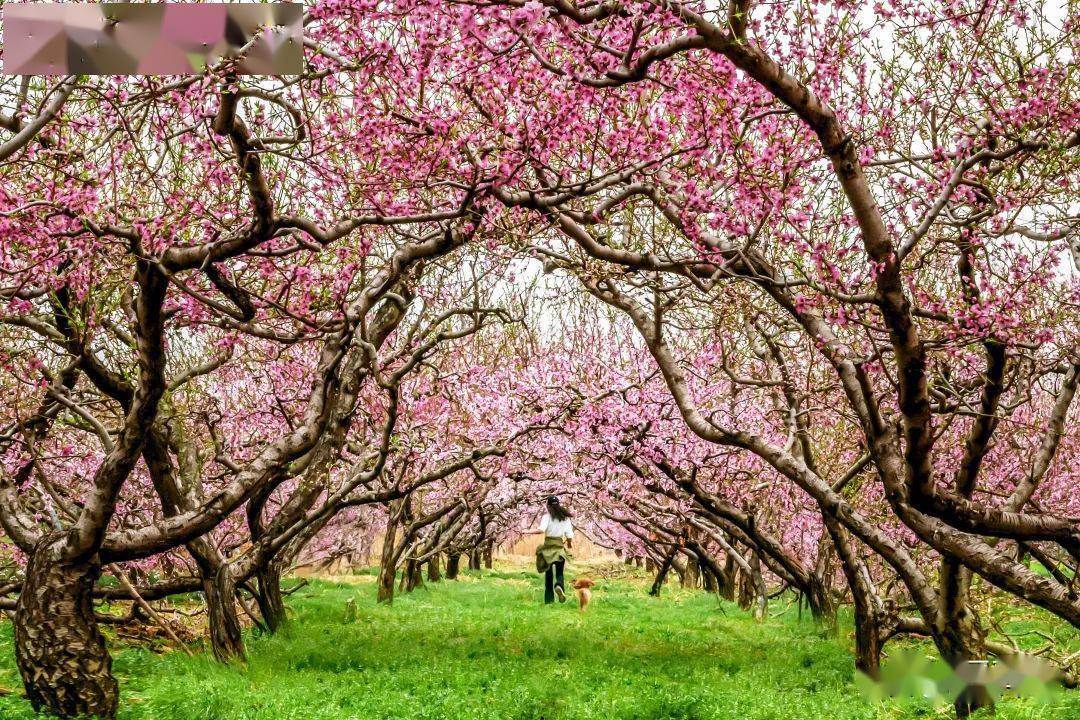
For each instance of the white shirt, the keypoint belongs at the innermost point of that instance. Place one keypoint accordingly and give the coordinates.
(556, 528)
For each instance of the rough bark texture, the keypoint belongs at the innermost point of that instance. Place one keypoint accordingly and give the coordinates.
(388, 561)
(226, 640)
(60, 652)
(271, 604)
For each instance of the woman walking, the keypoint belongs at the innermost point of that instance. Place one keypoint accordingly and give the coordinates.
(551, 557)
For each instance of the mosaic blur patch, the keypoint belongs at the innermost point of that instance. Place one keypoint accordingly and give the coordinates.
(151, 38)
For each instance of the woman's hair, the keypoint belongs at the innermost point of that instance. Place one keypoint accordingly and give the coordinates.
(556, 510)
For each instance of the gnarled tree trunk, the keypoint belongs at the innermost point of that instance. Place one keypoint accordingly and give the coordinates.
(59, 649)
(226, 639)
(271, 604)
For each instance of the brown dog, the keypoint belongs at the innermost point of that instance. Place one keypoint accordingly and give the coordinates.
(584, 594)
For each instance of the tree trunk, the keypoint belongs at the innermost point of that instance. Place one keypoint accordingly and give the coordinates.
(61, 654)
(413, 576)
(750, 588)
(960, 638)
(650, 565)
(226, 640)
(868, 615)
(661, 574)
(434, 574)
(868, 637)
(761, 596)
(727, 581)
(489, 555)
(453, 564)
(690, 572)
(386, 584)
(819, 602)
(388, 561)
(271, 604)
(744, 593)
(474, 559)
(708, 580)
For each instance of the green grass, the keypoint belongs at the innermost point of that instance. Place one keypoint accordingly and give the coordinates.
(484, 647)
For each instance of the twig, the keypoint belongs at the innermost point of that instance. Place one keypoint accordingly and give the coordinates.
(149, 610)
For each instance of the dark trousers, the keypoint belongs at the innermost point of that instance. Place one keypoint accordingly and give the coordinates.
(552, 577)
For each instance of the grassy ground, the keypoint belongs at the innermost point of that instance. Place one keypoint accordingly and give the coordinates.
(483, 647)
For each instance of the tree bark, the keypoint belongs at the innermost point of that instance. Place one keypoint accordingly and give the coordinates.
(690, 572)
(727, 581)
(388, 561)
(434, 574)
(453, 564)
(661, 574)
(413, 576)
(743, 590)
(757, 582)
(226, 640)
(708, 580)
(489, 554)
(960, 638)
(271, 603)
(474, 559)
(61, 653)
(386, 584)
(869, 631)
(817, 599)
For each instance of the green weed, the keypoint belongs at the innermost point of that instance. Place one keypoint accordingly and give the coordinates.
(486, 648)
